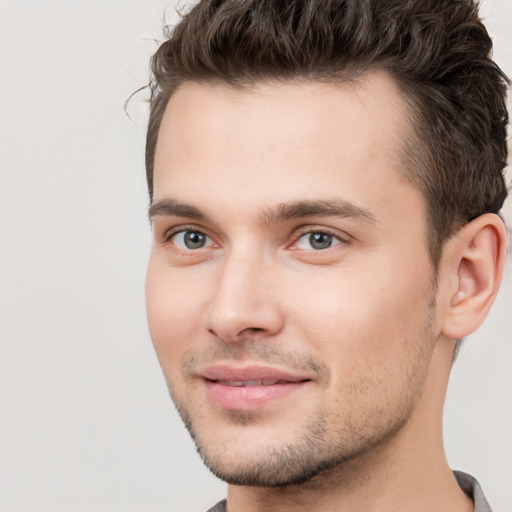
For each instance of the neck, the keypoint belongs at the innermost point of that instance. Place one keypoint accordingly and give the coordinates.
(409, 471)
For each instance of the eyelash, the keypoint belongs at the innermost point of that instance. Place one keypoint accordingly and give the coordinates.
(322, 231)
(337, 239)
(169, 235)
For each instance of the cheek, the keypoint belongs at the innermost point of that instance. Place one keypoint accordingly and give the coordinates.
(372, 339)
(174, 308)
(356, 315)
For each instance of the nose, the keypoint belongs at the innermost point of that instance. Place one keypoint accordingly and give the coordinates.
(245, 303)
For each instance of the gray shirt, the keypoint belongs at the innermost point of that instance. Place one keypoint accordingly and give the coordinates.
(466, 482)
(472, 488)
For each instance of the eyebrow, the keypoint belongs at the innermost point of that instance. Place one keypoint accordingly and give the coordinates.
(170, 207)
(333, 207)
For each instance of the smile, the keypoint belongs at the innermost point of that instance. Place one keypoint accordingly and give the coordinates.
(249, 388)
(250, 383)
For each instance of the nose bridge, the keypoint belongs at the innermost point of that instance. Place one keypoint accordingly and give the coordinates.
(244, 301)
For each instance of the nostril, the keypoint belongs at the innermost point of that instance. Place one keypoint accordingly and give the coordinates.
(250, 331)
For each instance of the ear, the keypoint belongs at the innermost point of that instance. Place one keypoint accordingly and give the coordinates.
(474, 257)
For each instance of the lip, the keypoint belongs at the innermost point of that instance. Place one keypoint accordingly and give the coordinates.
(249, 388)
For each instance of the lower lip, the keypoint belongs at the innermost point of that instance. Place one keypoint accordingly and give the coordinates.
(249, 398)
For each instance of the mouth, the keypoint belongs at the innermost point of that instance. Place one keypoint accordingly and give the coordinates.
(250, 383)
(250, 388)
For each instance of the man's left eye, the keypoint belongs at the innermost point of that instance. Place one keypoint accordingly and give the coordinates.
(317, 240)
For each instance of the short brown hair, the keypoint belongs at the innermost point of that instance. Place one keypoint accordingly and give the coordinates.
(438, 51)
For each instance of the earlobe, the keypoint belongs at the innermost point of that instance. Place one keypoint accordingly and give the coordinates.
(476, 259)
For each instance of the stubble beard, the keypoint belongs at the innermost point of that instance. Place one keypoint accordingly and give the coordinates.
(320, 450)
(316, 453)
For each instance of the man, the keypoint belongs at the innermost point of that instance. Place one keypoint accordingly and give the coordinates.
(325, 182)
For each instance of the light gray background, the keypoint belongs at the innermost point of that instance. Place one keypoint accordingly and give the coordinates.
(86, 424)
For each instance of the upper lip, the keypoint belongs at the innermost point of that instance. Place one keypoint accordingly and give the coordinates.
(229, 372)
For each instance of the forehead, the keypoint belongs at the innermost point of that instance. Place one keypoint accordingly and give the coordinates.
(278, 142)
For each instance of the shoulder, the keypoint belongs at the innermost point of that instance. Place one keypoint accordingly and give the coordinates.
(471, 487)
(220, 507)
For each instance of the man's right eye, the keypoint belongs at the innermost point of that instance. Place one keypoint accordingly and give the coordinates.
(189, 240)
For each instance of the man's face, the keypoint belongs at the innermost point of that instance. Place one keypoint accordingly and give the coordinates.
(290, 294)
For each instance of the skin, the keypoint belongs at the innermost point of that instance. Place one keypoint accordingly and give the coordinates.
(365, 320)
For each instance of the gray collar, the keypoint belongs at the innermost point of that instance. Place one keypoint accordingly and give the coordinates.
(466, 482)
(472, 488)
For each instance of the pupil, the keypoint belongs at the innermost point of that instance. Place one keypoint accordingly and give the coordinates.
(320, 240)
(194, 240)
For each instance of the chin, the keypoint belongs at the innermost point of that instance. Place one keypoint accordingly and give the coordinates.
(273, 462)
(283, 467)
